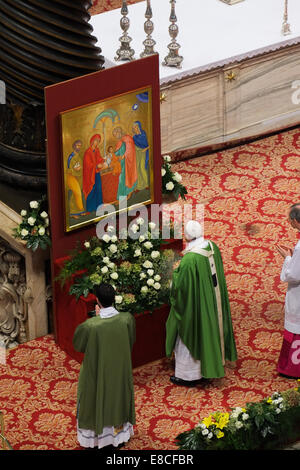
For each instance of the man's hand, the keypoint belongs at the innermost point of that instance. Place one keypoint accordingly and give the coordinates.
(284, 251)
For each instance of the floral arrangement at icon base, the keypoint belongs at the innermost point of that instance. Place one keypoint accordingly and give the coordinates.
(271, 422)
(172, 187)
(34, 228)
(138, 269)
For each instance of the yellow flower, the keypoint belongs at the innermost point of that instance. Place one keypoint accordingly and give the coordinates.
(269, 400)
(222, 420)
(220, 434)
(207, 421)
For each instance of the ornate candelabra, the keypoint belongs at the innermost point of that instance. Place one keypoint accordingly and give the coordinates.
(173, 59)
(125, 52)
(149, 42)
(286, 29)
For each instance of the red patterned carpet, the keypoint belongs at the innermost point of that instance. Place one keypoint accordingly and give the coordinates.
(247, 191)
(99, 6)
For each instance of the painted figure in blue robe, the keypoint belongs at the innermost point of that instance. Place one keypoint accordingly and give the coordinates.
(142, 155)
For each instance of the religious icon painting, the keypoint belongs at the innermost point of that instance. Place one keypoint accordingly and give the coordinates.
(107, 156)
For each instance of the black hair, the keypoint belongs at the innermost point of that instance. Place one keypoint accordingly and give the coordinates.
(105, 293)
(295, 212)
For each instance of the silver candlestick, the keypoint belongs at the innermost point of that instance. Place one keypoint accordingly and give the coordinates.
(173, 59)
(125, 52)
(286, 29)
(149, 42)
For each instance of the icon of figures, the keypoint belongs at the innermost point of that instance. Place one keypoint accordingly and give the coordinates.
(73, 174)
(125, 148)
(91, 182)
(142, 155)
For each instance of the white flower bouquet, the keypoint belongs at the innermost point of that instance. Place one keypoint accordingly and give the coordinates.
(171, 182)
(34, 228)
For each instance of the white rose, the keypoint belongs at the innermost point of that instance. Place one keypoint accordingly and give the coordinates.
(170, 186)
(163, 172)
(144, 289)
(167, 158)
(245, 416)
(205, 432)
(177, 177)
(110, 228)
(106, 259)
(152, 225)
(23, 213)
(111, 265)
(34, 204)
(147, 264)
(157, 286)
(114, 275)
(114, 238)
(41, 231)
(142, 238)
(113, 248)
(150, 272)
(31, 220)
(134, 228)
(157, 277)
(140, 221)
(150, 282)
(210, 435)
(238, 425)
(44, 215)
(148, 245)
(155, 254)
(104, 269)
(24, 232)
(137, 252)
(87, 244)
(106, 238)
(118, 299)
(142, 276)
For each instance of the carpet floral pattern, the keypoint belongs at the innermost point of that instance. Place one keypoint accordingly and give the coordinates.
(246, 192)
(99, 6)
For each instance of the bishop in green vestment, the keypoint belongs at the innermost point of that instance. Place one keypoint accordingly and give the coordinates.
(199, 327)
(105, 396)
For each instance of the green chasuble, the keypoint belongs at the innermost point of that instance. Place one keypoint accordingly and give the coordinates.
(205, 330)
(105, 388)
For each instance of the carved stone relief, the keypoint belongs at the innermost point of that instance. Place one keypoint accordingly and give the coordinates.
(14, 297)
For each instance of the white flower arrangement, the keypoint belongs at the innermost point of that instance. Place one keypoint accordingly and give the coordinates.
(171, 182)
(139, 270)
(34, 227)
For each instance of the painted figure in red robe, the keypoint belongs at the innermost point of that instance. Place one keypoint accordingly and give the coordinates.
(91, 182)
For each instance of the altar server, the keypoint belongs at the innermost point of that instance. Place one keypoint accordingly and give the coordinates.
(105, 397)
(289, 359)
(199, 328)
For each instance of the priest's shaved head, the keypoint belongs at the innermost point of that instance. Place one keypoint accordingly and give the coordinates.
(105, 294)
(193, 230)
